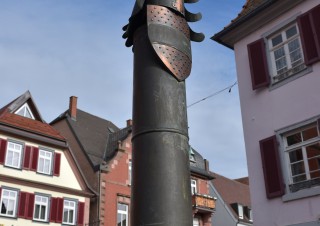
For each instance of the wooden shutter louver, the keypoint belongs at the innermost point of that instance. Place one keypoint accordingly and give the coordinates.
(30, 206)
(59, 210)
(34, 160)
(57, 162)
(53, 210)
(27, 157)
(271, 167)
(258, 64)
(22, 204)
(309, 26)
(3, 148)
(80, 214)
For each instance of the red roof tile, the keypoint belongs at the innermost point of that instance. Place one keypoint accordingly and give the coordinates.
(232, 191)
(29, 125)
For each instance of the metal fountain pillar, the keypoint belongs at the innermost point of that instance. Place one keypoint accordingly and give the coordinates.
(160, 36)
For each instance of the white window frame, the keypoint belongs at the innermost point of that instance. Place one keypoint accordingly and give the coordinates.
(196, 221)
(240, 211)
(194, 189)
(25, 107)
(12, 199)
(122, 213)
(43, 202)
(301, 145)
(130, 171)
(17, 149)
(67, 209)
(275, 77)
(44, 160)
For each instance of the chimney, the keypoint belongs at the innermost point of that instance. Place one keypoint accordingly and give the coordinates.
(129, 122)
(206, 165)
(73, 107)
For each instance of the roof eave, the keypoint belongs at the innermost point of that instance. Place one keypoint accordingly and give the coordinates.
(218, 37)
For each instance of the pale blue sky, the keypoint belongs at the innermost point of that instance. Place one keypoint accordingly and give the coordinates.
(60, 48)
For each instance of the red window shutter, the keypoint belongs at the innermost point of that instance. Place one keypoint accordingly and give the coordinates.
(34, 161)
(59, 210)
(258, 64)
(315, 22)
(27, 158)
(30, 206)
(310, 35)
(57, 162)
(3, 148)
(22, 204)
(80, 214)
(271, 167)
(53, 210)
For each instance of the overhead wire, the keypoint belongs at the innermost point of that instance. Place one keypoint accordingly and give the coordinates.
(214, 94)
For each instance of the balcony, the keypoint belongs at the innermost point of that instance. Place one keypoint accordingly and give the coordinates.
(203, 203)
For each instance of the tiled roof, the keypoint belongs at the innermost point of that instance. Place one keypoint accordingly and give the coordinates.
(113, 140)
(37, 125)
(92, 132)
(243, 180)
(248, 7)
(30, 125)
(232, 191)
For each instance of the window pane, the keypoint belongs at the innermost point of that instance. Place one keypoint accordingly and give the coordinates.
(43, 213)
(71, 216)
(294, 139)
(297, 168)
(277, 40)
(65, 215)
(314, 164)
(295, 156)
(310, 133)
(299, 178)
(291, 32)
(313, 150)
(37, 212)
(314, 175)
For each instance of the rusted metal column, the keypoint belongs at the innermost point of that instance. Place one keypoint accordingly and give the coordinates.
(160, 36)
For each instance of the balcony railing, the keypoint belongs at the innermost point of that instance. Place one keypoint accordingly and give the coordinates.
(204, 202)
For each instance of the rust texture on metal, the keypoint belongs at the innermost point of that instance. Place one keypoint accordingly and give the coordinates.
(177, 62)
(168, 32)
(164, 16)
(176, 57)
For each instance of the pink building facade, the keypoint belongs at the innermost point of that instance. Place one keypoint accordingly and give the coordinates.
(277, 52)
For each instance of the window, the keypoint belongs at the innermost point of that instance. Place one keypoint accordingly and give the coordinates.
(193, 186)
(191, 155)
(25, 111)
(285, 53)
(240, 211)
(41, 208)
(302, 148)
(122, 215)
(196, 221)
(8, 202)
(45, 162)
(13, 156)
(130, 171)
(69, 211)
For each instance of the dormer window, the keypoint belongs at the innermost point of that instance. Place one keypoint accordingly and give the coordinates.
(25, 111)
(191, 155)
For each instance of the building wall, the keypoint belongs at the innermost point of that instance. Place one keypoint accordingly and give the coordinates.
(115, 184)
(63, 186)
(90, 175)
(265, 111)
(222, 216)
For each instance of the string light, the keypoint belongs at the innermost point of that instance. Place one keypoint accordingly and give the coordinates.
(214, 94)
